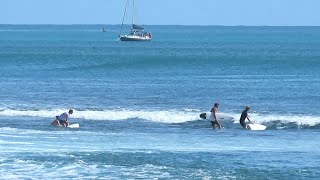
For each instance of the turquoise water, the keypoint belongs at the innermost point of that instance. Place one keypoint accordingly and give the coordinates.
(138, 104)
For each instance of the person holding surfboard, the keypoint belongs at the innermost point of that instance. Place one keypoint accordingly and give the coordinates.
(215, 122)
(245, 116)
(64, 117)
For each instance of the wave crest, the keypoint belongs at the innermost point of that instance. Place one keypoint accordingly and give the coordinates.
(162, 116)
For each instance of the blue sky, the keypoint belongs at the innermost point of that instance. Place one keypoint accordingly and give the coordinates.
(163, 12)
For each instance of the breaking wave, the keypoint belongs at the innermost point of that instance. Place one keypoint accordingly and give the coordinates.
(161, 116)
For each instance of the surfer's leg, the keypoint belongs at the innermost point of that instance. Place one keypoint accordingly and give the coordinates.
(219, 124)
(213, 124)
(62, 123)
(243, 124)
(55, 123)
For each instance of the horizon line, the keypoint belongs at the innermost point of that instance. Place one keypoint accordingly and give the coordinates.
(79, 24)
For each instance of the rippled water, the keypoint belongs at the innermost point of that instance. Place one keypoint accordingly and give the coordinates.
(138, 104)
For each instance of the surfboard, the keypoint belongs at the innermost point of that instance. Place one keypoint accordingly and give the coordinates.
(76, 125)
(220, 116)
(256, 127)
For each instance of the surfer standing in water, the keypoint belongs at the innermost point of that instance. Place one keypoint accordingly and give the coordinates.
(245, 116)
(215, 122)
(63, 119)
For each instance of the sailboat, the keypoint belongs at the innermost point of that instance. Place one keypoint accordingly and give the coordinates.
(137, 32)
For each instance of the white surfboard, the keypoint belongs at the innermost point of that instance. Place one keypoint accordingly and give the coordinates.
(73, 126)
(76, 125)
(256, 127)
(55, 123)
(220, 116)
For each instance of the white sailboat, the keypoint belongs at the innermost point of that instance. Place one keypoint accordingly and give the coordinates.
(137, 32)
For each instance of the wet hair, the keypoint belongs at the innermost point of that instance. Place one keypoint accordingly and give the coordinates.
(247, 107)
(216, 104)
(70, 111)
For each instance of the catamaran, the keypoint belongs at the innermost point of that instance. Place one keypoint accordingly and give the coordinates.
(137, 32)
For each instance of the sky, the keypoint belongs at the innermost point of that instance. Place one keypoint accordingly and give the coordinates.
(163, 12)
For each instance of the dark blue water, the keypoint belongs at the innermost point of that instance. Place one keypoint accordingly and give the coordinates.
(138, 104)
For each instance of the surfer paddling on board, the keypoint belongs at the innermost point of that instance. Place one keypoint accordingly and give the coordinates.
(215, 121)
(245, 116)
(63, 119)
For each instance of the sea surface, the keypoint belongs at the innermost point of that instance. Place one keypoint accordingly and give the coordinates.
(138, 103)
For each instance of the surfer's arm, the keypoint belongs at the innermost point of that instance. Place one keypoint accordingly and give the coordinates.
(248, 117)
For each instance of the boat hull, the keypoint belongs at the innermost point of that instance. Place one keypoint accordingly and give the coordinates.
(135, 38)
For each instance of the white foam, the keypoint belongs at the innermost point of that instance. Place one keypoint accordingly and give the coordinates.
(172, 116)
(163, 116)
(298, 119)
(156, 116)
(31, 113)
(8, 131)
(18, 143)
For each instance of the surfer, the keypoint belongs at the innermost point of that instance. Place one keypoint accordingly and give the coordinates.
(215, 122)
(245, 116)
(63, 119)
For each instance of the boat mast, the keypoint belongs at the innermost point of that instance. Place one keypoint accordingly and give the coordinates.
(133, 11)
(124, 15)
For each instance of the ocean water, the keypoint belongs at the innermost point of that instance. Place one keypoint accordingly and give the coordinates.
(138, 103)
